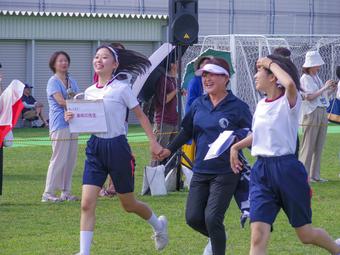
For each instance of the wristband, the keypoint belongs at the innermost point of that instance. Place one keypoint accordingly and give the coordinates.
(270, 64)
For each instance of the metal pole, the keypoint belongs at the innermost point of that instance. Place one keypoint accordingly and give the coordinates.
(1, 168)
(0, 80)
(33, 65)
(234, 62)
(179, 109)
(311, 17)
(231, 16)
(90, 6)
(273, 17)
(332, 62)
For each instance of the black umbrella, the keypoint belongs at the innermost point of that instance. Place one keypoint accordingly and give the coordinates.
(166, 54)
(149, 87)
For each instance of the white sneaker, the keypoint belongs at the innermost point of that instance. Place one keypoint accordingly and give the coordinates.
(68, 197)
(337, 241)
(50, 198)
(208, 248)
(161, 237)
(244, 216)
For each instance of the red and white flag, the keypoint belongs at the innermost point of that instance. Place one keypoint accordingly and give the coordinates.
(10, 107)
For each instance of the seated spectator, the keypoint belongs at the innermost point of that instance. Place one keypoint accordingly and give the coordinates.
(33, 110)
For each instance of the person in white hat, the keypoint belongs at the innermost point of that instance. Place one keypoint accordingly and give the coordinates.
(313, 114)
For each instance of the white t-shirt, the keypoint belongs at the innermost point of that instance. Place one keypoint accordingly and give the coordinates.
(311, 84)
(117, 96)
(275, 127)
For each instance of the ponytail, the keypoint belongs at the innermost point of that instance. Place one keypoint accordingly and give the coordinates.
(129, 61)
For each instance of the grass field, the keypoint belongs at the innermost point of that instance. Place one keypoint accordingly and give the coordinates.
(28, 226)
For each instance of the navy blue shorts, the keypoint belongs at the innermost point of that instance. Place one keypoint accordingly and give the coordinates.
(109, 156)
(280, 182)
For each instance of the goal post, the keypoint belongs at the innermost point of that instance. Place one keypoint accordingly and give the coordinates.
(246, 49)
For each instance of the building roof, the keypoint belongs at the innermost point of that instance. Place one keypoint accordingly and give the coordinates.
(84, 15)
(28, 25)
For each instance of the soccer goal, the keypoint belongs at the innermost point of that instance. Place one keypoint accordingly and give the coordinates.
(246, 49)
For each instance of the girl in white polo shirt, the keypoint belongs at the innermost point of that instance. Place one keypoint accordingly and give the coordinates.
(278, 180)
(109, 153)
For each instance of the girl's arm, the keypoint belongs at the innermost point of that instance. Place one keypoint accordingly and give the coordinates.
(235, 163)
(155, 148)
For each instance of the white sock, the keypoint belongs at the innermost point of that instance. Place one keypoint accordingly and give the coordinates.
(155, 223)
(85, 242)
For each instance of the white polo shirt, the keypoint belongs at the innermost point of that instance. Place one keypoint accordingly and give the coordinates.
(117, 96)
(275, 127)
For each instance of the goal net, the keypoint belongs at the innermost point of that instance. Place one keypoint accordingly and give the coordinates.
(246, 49)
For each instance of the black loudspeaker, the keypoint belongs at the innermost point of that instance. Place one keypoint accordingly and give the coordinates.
(183, 22)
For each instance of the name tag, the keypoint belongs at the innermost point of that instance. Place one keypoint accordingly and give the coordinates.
(323, 100)
(89, 116)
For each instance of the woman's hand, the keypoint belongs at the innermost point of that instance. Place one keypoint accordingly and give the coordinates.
(235, 163)
(156, 149)
(330, 84)
(164, 154)
(68, 116)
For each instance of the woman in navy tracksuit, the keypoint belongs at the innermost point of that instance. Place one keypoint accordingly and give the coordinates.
(213, 183)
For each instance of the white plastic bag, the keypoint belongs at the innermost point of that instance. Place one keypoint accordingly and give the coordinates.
(188, 175)
(154, 180)
(170, 180)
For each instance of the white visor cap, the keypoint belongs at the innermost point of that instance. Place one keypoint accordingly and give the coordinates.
(212, 68)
